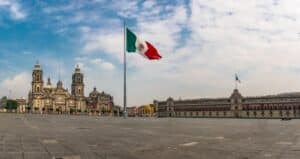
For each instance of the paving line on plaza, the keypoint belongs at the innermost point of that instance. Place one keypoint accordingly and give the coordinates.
(74, 154)
(26, 122)
(193, 143)
(267, 155)
(49, 141)
(22, 146)
(2, 137)
(45, 148)
(67, 157)
(220, 138)
(202, 137)
(126, 128)
(212, 137)
(284, 143)
(189, 144)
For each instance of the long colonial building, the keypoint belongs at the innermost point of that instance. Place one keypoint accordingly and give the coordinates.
(285, 105)
(49, 98)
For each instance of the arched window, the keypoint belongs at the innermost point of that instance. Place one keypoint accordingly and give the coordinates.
(37, 88)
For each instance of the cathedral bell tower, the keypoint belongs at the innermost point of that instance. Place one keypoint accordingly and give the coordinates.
(78, 90)
(77, 83)
(37, 79)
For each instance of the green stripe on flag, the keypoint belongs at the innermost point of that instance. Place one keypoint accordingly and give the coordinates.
(130, 41)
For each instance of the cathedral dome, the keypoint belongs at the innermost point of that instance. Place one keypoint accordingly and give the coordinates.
(94, 92)
(59, 84)
(49, 85)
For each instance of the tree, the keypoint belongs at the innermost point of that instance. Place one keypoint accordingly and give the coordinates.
(3, 102)
(11, 104)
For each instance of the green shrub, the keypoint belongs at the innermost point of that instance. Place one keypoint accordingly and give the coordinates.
(11, 104)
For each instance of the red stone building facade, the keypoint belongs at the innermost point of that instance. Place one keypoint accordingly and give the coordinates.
(100, 103)
(132, 111)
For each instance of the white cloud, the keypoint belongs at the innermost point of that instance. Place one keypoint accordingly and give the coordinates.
(107, 66)
(256, 39)
(14, 9)
(126, 8)
(245, 38)
(148, 4)
(102, 64)
(104, 41)
(97, 61)
(203, 44)
(164, 32)
(19, 85)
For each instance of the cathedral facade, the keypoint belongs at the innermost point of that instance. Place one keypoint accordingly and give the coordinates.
(286, 105)
(50, 98)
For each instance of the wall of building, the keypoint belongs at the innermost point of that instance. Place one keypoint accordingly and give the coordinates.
(236, 106)
(244, 114)
(146, 110)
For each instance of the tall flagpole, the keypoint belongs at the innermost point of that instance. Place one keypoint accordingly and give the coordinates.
(235, 81)
(125, 97)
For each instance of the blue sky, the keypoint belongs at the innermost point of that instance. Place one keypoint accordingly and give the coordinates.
(203, 44)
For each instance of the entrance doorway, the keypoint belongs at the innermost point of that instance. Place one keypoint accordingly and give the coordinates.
(236, 114)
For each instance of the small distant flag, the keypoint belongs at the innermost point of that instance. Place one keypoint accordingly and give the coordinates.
(237, 78)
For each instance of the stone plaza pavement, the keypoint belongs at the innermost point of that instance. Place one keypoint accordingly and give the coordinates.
(91, 137)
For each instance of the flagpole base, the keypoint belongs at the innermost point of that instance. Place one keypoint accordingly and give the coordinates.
(125, 115)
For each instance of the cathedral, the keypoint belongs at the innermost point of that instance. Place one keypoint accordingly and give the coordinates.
(49, 98)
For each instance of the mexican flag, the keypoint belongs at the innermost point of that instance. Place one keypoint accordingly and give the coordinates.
(137, 45)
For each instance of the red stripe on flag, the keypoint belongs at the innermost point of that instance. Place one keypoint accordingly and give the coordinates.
(152, 53)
